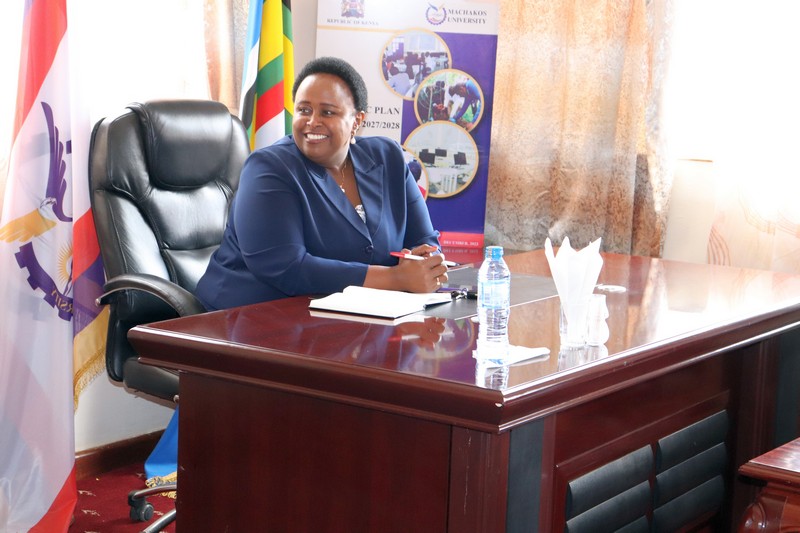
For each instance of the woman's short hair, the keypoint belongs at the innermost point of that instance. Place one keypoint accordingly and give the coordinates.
(341, 69)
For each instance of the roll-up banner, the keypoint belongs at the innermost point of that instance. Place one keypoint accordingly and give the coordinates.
(430, 71)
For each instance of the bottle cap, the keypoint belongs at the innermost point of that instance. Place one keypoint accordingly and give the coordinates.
(493, 252)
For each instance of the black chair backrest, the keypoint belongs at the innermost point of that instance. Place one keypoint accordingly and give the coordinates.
(162, 175)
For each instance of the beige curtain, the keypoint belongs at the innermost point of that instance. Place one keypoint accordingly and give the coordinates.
(576, 143)
(225, 30)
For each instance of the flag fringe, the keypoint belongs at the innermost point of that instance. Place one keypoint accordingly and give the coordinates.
(157, 481)
(92, 365)
(87, 374)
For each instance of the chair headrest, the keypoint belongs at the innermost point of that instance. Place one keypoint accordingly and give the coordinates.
(187, 142)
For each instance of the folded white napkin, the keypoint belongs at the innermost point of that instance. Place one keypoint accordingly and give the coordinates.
(575, 274)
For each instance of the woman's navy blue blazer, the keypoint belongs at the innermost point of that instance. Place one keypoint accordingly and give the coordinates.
(291, 229)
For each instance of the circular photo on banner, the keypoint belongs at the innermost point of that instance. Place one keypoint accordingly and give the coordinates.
(449, 95)
(418, 170)
(448, 155)
(409, 57)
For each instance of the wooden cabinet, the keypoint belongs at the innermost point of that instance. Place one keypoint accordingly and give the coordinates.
(777, 507)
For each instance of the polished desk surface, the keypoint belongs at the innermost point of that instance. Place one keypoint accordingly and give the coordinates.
(777, 507)
(663, 315)
(781, 466)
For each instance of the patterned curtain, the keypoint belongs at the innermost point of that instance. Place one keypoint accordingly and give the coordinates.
(577, 149)
(225, 28)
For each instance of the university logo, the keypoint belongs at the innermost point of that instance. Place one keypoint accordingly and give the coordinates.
(35, 229)
(436, 15)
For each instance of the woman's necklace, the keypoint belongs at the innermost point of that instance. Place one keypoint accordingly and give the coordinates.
(341, 185)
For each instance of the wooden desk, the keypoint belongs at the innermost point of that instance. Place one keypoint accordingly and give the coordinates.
(296, 423)
(777, 507)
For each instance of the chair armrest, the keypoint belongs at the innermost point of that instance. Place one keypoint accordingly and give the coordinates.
(182, 301)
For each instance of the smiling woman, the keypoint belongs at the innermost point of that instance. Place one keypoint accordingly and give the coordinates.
(322, 209)
(326, 120)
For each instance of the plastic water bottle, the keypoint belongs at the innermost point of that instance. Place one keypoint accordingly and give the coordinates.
(494, 295)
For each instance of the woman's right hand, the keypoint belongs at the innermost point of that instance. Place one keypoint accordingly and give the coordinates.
(427, 275)
(426, 333)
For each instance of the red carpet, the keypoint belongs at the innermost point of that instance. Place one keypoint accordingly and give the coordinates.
(103, 503)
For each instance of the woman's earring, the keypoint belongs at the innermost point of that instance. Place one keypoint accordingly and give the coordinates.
(353, 138)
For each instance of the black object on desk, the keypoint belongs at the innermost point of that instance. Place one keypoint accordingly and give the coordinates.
(524, 288)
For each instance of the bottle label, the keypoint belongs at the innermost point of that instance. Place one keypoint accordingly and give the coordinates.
(494, 294)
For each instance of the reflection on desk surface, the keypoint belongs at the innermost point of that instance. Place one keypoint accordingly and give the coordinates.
(524, 288)
(664, 302)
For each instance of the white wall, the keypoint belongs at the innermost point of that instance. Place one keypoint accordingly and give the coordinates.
(304, 32)
(108, 413)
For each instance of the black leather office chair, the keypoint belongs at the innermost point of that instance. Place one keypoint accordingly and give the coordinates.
(162, 175)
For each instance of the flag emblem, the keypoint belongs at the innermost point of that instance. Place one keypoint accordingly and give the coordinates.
(33, 228)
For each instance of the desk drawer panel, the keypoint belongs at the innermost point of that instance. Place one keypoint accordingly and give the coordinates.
(612, 496)
(690, 474)
(691, 440)
(689, 508)
(608, 481)
(691, 465)
(625, 511)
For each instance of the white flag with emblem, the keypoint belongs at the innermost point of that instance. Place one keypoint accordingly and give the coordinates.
(37, 455)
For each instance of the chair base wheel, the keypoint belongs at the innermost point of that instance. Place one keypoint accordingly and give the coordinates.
(141, 509)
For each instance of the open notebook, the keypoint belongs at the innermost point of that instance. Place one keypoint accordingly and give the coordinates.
(378, 302)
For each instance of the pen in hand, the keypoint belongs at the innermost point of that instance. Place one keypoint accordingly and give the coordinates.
(420, 258)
